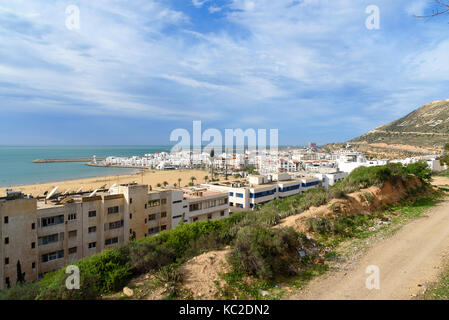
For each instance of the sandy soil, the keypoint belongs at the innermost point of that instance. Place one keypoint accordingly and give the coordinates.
(150, 177)
(440, 181)
(354, 203)
(200, 273)
(407, 261)
(401, 147)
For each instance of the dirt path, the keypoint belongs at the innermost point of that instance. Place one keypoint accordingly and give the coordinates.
(407, 261)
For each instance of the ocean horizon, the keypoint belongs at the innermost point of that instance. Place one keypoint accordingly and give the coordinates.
(17, 167)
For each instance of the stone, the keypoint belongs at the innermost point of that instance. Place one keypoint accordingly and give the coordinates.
(128, 292)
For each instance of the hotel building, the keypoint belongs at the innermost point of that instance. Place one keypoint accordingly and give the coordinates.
(45, 235)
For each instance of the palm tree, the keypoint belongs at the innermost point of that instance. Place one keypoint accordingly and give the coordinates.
(158, 185)
(193, 179)
(175, 185)
(179, 181)
(206, 178)
(165, 183)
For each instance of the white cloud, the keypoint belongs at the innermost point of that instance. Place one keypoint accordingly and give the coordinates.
(199, 3)
(214, 9)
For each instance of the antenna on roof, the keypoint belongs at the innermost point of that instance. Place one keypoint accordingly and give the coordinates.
(114, 185)
(103, 186)
(93, 193)
(79, 190)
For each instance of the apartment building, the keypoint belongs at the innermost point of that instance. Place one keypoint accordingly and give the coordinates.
(46, 234)
(329, 179)
(260, 189)
(206, 204)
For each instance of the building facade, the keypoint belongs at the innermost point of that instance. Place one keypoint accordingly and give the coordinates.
(45, 235)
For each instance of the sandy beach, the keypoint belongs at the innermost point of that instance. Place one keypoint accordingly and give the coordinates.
(150, 177)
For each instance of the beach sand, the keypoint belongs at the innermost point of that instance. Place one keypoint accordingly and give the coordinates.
(150, 177)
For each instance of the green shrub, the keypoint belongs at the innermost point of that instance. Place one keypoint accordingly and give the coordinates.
(419, 169)
(266, 253)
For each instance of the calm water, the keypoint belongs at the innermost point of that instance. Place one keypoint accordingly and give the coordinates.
(17, 168)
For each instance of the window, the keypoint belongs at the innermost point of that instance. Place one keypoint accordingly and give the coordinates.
(164, 201)
(72, 250)
(164, 227)
(195, 219)
(48, 239)
(130, 200)
(6, 260)
(53, 256)
(72, 234)
(177, 201)
(176, 217)
(92, 229)
(154, 203)
(146, 205)
(111, 241)
(92, 213)
(92, 245)
(8, 284)
(113, 210)
(152, 217)
(163, 214)
(6, 240)
(33, 226)
(116, 225)
(50, 221)
(222, 213)
(130, 216)
(33, 265)
(6, 219)
(209, 216)
(71, 217)
(33, 245)
(145, 220)
(153, 230)
(195, 207)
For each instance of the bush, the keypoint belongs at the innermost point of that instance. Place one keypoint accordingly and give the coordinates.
(419, 169)
(266, 253)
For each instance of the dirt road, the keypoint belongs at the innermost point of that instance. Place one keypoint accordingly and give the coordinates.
(407, 261)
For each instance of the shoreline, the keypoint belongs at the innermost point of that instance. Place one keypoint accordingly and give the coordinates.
(141, 176)
(71, 179)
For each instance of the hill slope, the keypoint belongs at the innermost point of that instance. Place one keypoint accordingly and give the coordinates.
(421, 131)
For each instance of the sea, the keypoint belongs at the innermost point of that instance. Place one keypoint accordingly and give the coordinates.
(17, 167)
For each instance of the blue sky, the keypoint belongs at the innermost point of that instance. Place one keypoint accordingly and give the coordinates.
(136, 70)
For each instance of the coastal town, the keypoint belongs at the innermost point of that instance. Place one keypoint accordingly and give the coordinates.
(60, 227)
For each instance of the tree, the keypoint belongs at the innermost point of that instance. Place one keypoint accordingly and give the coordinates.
(212, 155)
(440, 8)
(206, 178)
(158, 185)
(179, 182)
(193, 179)
(175, 185)
(20, 275)
(165, 183)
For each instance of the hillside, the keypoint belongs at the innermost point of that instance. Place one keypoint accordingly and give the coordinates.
(424, 130)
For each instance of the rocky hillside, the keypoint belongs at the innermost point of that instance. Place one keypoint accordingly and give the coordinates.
(424, 130)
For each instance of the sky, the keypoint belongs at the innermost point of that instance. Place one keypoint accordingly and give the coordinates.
(136, 70)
